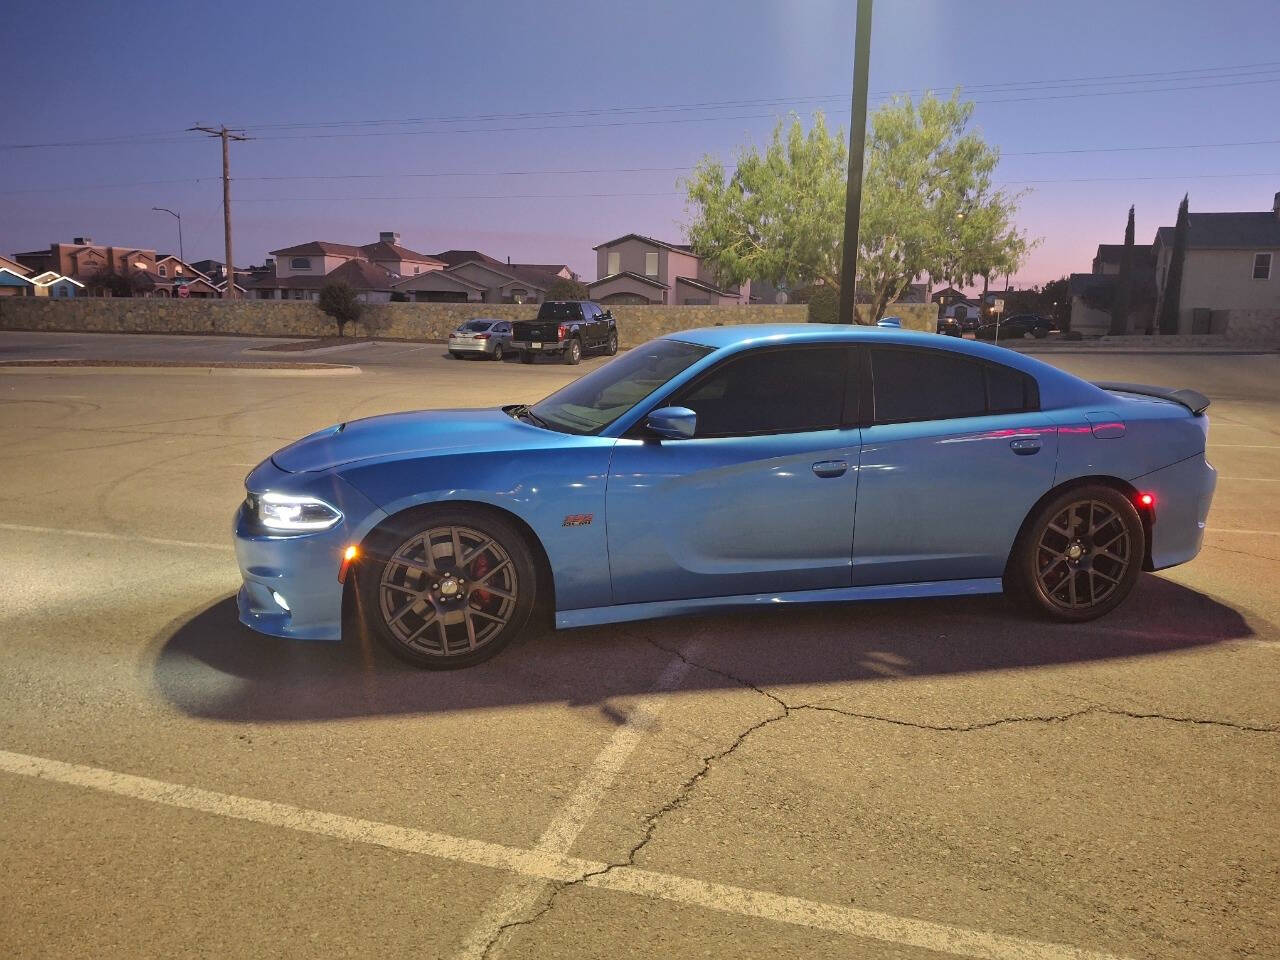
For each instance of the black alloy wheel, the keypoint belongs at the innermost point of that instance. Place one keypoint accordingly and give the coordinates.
(1081, 554)
(446, 587)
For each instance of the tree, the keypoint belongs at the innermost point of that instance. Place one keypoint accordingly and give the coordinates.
(131, 283)
(1055, 300)
(1171, 301)
(927, 206)
(1123, 299)
(339, 301)
(563, 288)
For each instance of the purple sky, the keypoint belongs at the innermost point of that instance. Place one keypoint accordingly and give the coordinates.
(574, 70)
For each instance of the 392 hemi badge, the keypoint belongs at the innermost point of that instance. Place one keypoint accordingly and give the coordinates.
(578, 519)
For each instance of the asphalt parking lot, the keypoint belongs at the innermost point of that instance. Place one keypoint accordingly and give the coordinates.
(895, 780)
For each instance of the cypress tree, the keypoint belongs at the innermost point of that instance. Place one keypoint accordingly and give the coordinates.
(1124, 284)
(1172, 299)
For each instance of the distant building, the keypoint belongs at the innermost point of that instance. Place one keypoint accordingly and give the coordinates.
(299, 272)
(14, 282)
(1092, 294)
(639, 269)
(51, 284)
(1230, 274)
(82, 259)
(472, 276)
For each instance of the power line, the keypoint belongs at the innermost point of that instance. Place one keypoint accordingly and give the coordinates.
(462, 196)
(1185, 176)
(1166, 146)
(1175, 77)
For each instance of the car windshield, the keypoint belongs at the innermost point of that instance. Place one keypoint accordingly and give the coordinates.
(591, 403)
(476, 326)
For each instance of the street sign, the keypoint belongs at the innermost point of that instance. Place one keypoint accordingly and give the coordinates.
(997, 305)
(183, 291)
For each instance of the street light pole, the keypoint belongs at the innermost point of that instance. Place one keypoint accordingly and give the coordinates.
(857, 145)
(181, 255)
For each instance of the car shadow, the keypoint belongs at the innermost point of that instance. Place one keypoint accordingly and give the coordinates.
(209, 665)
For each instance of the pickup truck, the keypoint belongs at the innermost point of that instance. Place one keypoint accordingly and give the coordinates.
(567, 328)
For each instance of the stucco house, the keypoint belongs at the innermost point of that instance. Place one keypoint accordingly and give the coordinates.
(82, 259)
(52, 284)
(1092, 293)
(300, 271)
(14, 281)
(472, 276)
(641, 270)
(1230, 273)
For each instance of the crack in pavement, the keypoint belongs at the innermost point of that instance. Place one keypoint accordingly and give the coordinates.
(785, 710)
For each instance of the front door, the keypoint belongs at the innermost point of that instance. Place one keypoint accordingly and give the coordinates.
(760, 499)
(953, 461)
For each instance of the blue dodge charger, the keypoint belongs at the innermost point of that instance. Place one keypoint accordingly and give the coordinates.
(722, 468)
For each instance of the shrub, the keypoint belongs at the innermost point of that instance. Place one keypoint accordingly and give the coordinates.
(339, 301)
(566, 289)
(824, 304)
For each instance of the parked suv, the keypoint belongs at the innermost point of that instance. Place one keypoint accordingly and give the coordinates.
(568, 328)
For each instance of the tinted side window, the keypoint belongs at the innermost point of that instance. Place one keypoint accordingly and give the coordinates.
(925, 385)
(1007, 390)
(770, 391)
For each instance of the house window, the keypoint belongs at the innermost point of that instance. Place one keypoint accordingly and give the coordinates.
(651, 264)
(162, 270)
(615, 263)
(1262, 266)
(300, 263)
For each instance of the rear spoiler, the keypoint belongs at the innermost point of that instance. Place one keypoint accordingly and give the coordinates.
(1193, 400)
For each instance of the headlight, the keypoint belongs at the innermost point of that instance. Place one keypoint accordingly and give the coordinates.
(282, 511)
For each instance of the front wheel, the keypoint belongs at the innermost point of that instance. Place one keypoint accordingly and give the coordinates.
(446, 587)
(612, 347)
(497, 352)
(573, 352)
(1080, 555)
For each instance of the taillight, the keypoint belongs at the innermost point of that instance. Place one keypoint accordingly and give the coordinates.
(484, 336)
(1146, 500)
(561, 332)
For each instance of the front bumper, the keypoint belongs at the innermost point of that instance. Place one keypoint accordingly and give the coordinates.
(301, 570)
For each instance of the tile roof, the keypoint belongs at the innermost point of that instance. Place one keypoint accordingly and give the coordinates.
(631, 276)
(382, 250)
(700, 285)
(1227, 230)
(319, 248)
(677, 247)
(358, 274)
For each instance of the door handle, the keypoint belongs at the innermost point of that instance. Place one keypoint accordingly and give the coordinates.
(830, 468)
(1025, 446)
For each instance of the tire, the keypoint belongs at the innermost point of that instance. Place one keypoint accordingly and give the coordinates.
(1079, 554)
(1039, 332)
(416, 603)
(526, 356)
(455, 354)
(573, 352)
(611, 348)
(497, 352)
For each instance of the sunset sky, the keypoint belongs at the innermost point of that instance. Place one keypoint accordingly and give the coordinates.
(435, 119)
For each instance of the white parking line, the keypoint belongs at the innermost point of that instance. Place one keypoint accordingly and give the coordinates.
(518, 895)
(737, 901)
(124, 537)
(1248, 446)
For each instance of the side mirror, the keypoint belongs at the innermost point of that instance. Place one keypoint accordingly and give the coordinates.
(672, 423)
(608, 314)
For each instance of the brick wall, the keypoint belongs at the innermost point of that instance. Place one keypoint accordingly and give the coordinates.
(408, 321)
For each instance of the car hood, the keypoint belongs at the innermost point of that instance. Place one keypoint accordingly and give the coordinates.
(403, 434)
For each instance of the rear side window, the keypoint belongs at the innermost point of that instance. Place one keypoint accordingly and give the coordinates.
(790, 390)
(912, 385)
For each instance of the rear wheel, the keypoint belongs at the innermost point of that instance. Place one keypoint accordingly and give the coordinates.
(448, 587)
(612, 347)
(455, 354)
(1080, 555)
(497, 351)
(573, 352)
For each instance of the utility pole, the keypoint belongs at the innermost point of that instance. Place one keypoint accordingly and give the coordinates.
(857, 145)
(181, 256)
(229, 293)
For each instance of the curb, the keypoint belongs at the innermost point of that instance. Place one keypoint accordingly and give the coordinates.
(177, 369)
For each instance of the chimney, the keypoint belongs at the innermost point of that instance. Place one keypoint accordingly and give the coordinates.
(88, 241)
(508, 261)
(389, 236)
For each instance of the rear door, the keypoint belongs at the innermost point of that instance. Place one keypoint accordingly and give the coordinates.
(761, 498)
(955, 455)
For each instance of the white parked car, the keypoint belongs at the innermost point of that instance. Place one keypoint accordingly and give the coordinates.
(481, 337)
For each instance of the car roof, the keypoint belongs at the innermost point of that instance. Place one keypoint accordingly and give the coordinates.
(1057, 387)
